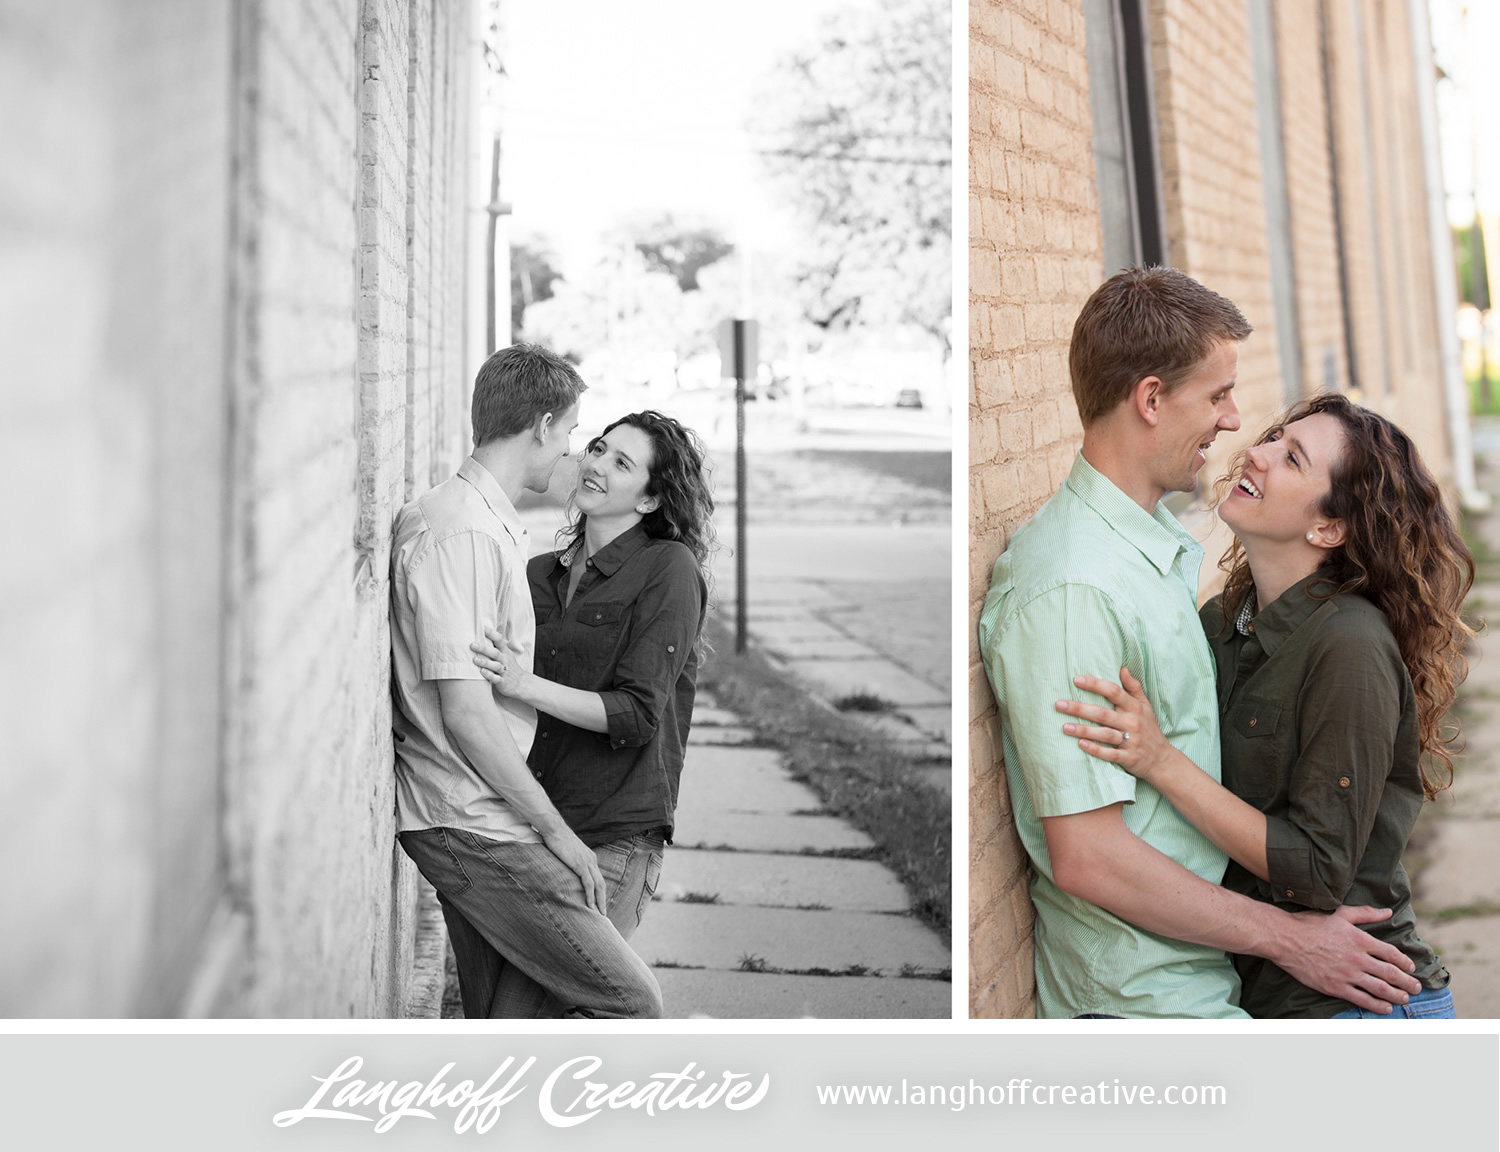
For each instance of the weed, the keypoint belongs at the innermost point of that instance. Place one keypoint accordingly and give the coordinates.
(863, 702)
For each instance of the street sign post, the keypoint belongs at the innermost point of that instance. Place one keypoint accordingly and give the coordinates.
(739, 348)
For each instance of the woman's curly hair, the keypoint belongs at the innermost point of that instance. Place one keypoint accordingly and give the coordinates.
(679, 481)
(1401, 552)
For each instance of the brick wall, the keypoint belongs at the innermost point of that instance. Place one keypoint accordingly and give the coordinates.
(336, 380)
(1035, 253)
(1305, 144)
(1400, 233)
(233, 253)
(1210, 159)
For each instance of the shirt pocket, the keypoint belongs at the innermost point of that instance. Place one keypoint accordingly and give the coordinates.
(1255, 735)
(598, 634)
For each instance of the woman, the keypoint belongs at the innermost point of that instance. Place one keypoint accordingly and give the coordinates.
(1338, 647)
(619, 612)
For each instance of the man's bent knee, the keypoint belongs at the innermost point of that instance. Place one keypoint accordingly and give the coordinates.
(644, 999)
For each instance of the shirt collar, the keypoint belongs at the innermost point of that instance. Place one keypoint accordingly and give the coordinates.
(1273, 625)
(608, 559)
(494, 496)
(1156, 535)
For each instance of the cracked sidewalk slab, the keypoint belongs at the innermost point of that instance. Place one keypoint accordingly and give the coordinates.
(781, 880)
(716, 936)
(768, 996)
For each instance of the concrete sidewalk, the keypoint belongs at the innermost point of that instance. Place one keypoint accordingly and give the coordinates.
(1456, 854)
(761, 912)
(765, 909)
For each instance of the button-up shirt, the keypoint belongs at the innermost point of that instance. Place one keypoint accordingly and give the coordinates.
(1091, 584)
(1320, 733)
(630, 633)
(458, 564)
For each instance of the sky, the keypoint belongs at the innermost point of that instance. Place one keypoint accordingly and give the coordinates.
(613, 108)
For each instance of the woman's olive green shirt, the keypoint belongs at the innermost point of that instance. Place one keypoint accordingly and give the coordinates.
(1319, 731)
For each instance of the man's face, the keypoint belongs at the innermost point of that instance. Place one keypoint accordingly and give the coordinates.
(1190, 417)
(552, 447)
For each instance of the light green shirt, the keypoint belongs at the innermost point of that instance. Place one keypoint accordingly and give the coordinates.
(1090, 584)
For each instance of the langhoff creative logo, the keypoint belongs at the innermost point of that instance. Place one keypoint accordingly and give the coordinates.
(562, 1105)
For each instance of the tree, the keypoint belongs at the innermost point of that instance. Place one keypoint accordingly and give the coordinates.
(862, 130)
(531, 278)
(619, 302)
(641, 299)
(678, 249)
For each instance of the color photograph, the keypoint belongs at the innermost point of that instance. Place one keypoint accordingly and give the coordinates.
(1230, 494)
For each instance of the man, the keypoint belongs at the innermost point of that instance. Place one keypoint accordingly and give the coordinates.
(1130, 918)
(519, 891)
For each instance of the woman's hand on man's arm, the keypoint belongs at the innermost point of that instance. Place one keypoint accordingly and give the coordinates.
(1127, 734)
(571, 705)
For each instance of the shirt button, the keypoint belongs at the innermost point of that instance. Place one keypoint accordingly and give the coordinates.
(554, 651)
(1290, 893)
(1250, 628)
(671, 647)
(1343, 781)
(1252, 721)
(545, 735)
(598, 615)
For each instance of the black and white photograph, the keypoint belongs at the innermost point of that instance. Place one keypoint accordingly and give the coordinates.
(495, 557)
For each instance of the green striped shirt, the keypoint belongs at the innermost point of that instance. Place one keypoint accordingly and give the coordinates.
(1090, 584)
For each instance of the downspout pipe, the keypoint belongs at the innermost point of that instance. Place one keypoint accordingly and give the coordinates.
(1455, 390)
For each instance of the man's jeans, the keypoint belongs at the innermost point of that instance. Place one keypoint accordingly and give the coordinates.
(632, 870)
(515, 915)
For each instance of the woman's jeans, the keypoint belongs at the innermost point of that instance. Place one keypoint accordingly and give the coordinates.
(525, 942)
(1428, 1004)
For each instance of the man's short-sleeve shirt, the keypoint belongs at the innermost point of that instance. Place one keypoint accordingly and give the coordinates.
(458, 565)
(1091, 584)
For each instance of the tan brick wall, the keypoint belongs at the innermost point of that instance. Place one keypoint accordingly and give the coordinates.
(1401, 232)
(1363, 253)
(1210, 158)
(1305, 145)
(1035, 253)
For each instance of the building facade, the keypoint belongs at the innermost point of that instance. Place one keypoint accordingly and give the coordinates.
(1273, 149)
(234, 278)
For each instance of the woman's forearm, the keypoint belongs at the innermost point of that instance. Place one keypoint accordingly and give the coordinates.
(1234, 826)
(571, 705)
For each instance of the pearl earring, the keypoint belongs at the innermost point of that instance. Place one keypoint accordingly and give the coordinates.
(1311, 539)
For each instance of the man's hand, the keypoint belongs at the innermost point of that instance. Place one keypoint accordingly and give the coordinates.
(1332, 956)
(1096, 858)
(580, 860)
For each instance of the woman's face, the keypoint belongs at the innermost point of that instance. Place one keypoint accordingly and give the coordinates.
(1278, 496)
(614, 474)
